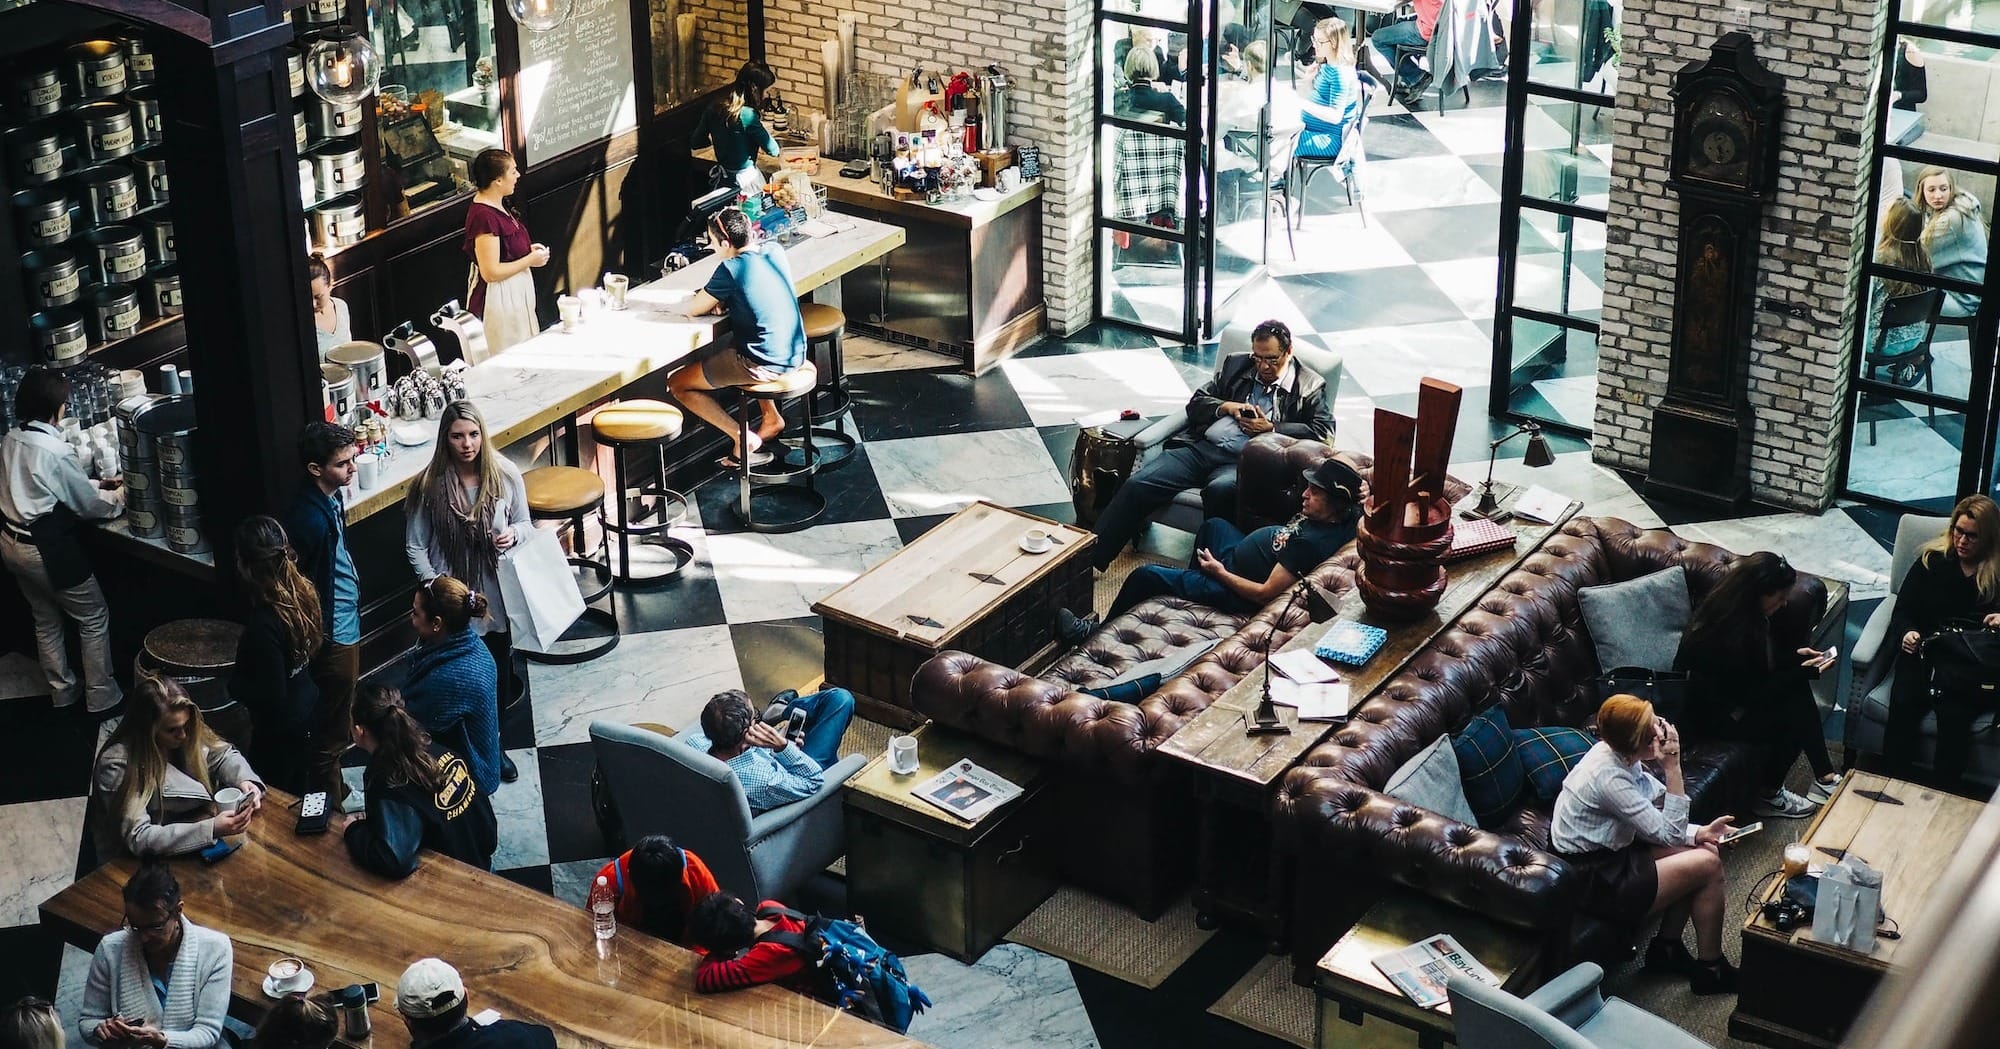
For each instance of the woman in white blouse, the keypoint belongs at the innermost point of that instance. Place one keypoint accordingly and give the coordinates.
(1628, 836)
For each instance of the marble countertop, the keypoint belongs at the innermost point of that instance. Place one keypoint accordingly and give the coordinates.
(867, 193)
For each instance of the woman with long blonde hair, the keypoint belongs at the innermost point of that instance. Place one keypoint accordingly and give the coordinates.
(1955, 579)
(465, 510)
(1954, 235)
(279, 641)
(1335, 92)
(1900, 245)
(154, 784)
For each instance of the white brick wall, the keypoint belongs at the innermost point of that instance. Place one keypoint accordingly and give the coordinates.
(1813, 238)
(722, 41)
(1043, 44)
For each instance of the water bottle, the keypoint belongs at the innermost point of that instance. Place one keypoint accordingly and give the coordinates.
(603, 909)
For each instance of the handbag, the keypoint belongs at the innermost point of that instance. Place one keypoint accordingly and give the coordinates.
(539, 590)
(1964, 660)
(1666, 690)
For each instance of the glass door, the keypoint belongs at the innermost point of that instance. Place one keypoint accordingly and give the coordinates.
(1555, 186)
(1921, 414)
(1244, 155)
(1150, 271)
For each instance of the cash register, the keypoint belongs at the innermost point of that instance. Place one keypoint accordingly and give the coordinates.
(691, 239)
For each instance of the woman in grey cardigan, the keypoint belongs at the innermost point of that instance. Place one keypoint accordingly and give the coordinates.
(161, 981)
(1954, 236)
(152, 792)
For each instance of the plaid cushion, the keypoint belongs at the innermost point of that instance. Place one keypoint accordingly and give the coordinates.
(1487, 765)
(1547, 755)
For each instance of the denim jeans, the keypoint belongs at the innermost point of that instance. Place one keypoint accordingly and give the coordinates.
(827, 714)
(1218, 536)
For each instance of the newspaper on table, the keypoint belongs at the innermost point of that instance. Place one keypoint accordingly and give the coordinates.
(1421, 969)
(967, 791)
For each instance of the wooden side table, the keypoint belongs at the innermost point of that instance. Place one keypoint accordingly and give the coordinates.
(1360, 1009)
(919, 874)
(1234, 774)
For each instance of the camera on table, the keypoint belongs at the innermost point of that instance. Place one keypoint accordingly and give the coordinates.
(1786, 914)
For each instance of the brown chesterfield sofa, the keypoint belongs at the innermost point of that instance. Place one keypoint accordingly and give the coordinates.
(1523, 645)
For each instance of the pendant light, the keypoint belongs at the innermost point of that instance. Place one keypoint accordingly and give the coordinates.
(341, 66)
(539, 16)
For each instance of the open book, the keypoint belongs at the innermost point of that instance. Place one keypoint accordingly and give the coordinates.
(967, 791)
(1421, 969)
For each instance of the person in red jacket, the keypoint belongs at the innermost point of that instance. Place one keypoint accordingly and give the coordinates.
(1410, 32)
(736, 955)
(657, 883)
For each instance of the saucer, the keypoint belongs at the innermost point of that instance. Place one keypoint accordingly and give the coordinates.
(271, 989)
(1028, 549)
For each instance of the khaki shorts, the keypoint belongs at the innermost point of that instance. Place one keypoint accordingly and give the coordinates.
(730, 368)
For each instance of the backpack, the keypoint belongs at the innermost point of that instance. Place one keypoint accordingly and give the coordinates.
(851, 971)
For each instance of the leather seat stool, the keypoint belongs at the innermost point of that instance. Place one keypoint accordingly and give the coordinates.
(199, 654)
(762, 493)
(829, 403)
(569, 493)
(645, 426)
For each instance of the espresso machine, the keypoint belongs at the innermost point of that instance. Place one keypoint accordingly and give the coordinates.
(464, 327)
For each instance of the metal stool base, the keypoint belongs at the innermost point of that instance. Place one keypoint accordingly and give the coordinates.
(812, 507)
(831, 447)
(595, 647)
(640, 567)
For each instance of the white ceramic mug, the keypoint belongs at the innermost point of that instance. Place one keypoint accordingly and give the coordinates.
(902, 755)
(1037, 539)
(364, 471)
(228, 800)
(571, 310)
(287, 974)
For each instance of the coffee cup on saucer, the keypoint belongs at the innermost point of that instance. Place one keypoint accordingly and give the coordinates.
(1036, 541)
(287, 975)
(902, 755)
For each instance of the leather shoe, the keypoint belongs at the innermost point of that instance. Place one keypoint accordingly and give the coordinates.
(1671, 956)
(508, 773)
(1072, 629)
(1716, 977)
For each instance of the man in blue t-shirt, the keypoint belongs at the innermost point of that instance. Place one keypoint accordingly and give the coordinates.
(754, 286)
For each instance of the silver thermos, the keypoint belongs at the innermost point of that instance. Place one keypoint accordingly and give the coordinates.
(993, 90)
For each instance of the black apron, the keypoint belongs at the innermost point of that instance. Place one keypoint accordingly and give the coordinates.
(55, 537)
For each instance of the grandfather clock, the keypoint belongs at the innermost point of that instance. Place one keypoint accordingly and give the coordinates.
(1724, 169)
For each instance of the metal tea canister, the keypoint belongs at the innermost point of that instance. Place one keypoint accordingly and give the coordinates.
(104, 132)
(54, 277)
(38, 91)
(162, 287)
(44, 217)
(109, 192)
(97, 68)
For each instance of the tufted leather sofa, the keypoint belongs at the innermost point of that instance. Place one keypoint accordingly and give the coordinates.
(1523, 645)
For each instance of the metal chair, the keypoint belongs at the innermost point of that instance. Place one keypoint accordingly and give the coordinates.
(1906, 367)
(1352, 152)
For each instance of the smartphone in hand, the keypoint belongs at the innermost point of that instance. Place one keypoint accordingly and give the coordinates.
(1740, 832)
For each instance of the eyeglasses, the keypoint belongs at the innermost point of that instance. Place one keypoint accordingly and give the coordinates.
(150, 928)
(1965, 533)
(1262, 359)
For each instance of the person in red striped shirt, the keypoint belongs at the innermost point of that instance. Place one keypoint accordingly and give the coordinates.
(657, 883)
(737, 955)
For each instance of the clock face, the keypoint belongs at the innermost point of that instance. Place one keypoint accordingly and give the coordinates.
(1717, 145)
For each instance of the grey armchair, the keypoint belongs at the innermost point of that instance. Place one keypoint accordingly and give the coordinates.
(1567, 1013)
(666, 787)
(1185, 512)
(1875, 665)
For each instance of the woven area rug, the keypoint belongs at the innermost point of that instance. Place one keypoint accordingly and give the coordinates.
(1108, 938)
(1266, 1000)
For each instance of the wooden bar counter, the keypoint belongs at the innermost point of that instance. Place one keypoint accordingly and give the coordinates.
(529, 956)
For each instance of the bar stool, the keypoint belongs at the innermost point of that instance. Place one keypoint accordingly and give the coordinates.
(829, 402)
(569, 493)
(199, 654)
(772, 485)
(645, 425)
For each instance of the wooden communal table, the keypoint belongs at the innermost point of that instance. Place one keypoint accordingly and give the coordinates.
(966, 584)
(1797, 992)
(922, 874)
(1236, 875)
(527, 955)
(1358, 1008)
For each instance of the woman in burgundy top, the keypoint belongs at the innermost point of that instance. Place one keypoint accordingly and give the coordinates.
(501, 290)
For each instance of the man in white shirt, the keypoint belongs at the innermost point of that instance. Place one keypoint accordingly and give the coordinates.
(44, 497)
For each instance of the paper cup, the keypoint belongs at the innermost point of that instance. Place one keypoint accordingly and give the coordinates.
(903, 754)
(365, 467)
(615, 287)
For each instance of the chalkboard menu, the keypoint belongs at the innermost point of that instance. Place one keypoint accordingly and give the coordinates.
(576, 79)
(1030, 159)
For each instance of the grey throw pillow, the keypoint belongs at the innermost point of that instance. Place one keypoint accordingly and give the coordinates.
(1430, 780)
(1639, 622)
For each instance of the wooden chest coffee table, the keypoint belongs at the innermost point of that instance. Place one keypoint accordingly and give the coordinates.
(1798, 992)
(1360, 1009)
(967, 585)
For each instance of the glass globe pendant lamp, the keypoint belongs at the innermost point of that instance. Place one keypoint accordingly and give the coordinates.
(342, 67)
(539, 16)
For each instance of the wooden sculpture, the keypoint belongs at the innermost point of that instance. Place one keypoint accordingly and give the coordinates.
(1406, 521)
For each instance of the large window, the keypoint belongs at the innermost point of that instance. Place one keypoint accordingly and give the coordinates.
(1921, 412)
(439, 103)
(1555, 183)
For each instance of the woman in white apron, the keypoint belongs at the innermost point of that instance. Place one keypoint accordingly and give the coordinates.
(501, 290)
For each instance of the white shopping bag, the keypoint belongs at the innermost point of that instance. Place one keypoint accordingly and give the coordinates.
(1848, 904)
(539, 589)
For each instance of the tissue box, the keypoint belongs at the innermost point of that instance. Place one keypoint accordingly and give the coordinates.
(1351, 643)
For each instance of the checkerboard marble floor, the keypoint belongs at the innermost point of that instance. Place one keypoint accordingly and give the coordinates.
(1406, 296)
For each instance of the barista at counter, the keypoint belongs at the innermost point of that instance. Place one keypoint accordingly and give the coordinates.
(44, 497)
(733, 127)
(755, 285)
(330, 321)
(502, 287)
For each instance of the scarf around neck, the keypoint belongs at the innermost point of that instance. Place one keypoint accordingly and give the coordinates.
(462, 528)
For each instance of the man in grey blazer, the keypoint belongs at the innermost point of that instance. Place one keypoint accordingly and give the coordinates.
(1253, 393)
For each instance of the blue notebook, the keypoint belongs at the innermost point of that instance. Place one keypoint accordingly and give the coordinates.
(1351, 643)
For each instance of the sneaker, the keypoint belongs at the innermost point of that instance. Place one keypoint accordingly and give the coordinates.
(1716, 977)
(1821, 793)
(1671, 956)
(1784, 805)
(1072, 629)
